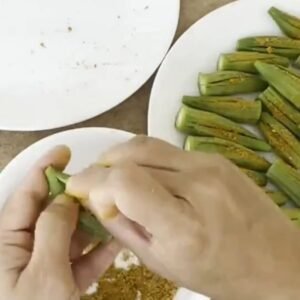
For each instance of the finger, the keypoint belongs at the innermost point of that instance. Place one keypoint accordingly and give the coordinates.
(140, 198)
(80, 241)
(91, 266)
(23, 208)
(80, 185)
(147, 151)
(54, 231)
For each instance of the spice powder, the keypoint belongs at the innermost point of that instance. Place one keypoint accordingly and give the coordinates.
(137, 283)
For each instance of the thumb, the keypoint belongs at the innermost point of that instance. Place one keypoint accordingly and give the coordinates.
(54, 231)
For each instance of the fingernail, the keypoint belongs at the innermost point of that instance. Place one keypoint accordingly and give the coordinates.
(65, 200)
(104, 211)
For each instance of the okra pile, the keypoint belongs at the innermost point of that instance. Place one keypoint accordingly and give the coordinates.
(214, 121)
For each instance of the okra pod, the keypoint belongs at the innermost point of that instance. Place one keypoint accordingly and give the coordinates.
(278, 197)
(236, 109)
(86, 221)
(297, 62)
(238, 154)
(244, 61)
(281, 109)
(224, 83)
(284, 80)
(259, 178)
(287, 179)
(196, 122)
(282, 46)
(290, 25)
(291, 212)
(285, 144)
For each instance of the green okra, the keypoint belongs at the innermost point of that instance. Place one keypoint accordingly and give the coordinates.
(236, 109)
(278, 197)
(87, 222)
(287, 179)
(224, 83)
(238, 154)
(244, 61)
(284, 80)
(282, 46)
(297, 62)
(284, 143)
(291, 212)
(201, 123)
(290, 25)
(259, 178)
(281, 110)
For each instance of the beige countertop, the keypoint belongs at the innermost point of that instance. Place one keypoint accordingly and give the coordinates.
(11, 143)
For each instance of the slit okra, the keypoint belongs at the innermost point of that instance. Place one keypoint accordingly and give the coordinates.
(201, 123)
(284, 80)
(244, 61)
(238, 154)
(278, 197)
(281, 110)
(236, 109)
(86, 221)
(291, 212)
(287, 179)
(285, 144)
(225, 83)
(259, 178)
(297, 62)
(282, 46)
(290, 25)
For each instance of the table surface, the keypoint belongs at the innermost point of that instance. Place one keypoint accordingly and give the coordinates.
(11, 143)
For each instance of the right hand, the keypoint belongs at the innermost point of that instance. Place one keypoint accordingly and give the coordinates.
(195, 219)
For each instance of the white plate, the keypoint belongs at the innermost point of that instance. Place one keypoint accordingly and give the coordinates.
(198, 51)
(63, 62)
(86, 145)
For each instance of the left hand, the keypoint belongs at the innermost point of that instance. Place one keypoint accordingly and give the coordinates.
(40, 248)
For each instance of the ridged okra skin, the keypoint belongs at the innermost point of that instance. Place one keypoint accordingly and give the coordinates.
(282, 46)
(284, 143)
(225, 83)
(238, 154)
(201, 123)
(235, 109)
(244, 61)
(290, 25)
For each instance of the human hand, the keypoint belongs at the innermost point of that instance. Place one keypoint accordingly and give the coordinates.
(195, 219)
(38, 243)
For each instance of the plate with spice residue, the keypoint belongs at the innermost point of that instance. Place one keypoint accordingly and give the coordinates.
(63, 62)
(86, 145)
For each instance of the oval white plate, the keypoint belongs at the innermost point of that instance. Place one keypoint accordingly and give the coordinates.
(86, 145)
(63, 62)
(198, 51)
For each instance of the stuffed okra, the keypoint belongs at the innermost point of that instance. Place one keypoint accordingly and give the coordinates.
(286, 179)
(201, 123)
(224, 83)
(282, 46)
(238, 154)
(259, 178)
(285, 144)
(278, 197)
(236, 109)
(281, 110)
(244, 61)
(290, 25)
(86, 221)
(284, 80)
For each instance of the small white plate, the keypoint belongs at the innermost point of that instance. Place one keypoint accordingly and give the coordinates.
(63, 62)
(86, 145)
(198, 51)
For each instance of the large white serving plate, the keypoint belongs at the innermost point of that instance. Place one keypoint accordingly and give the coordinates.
(63, 62)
